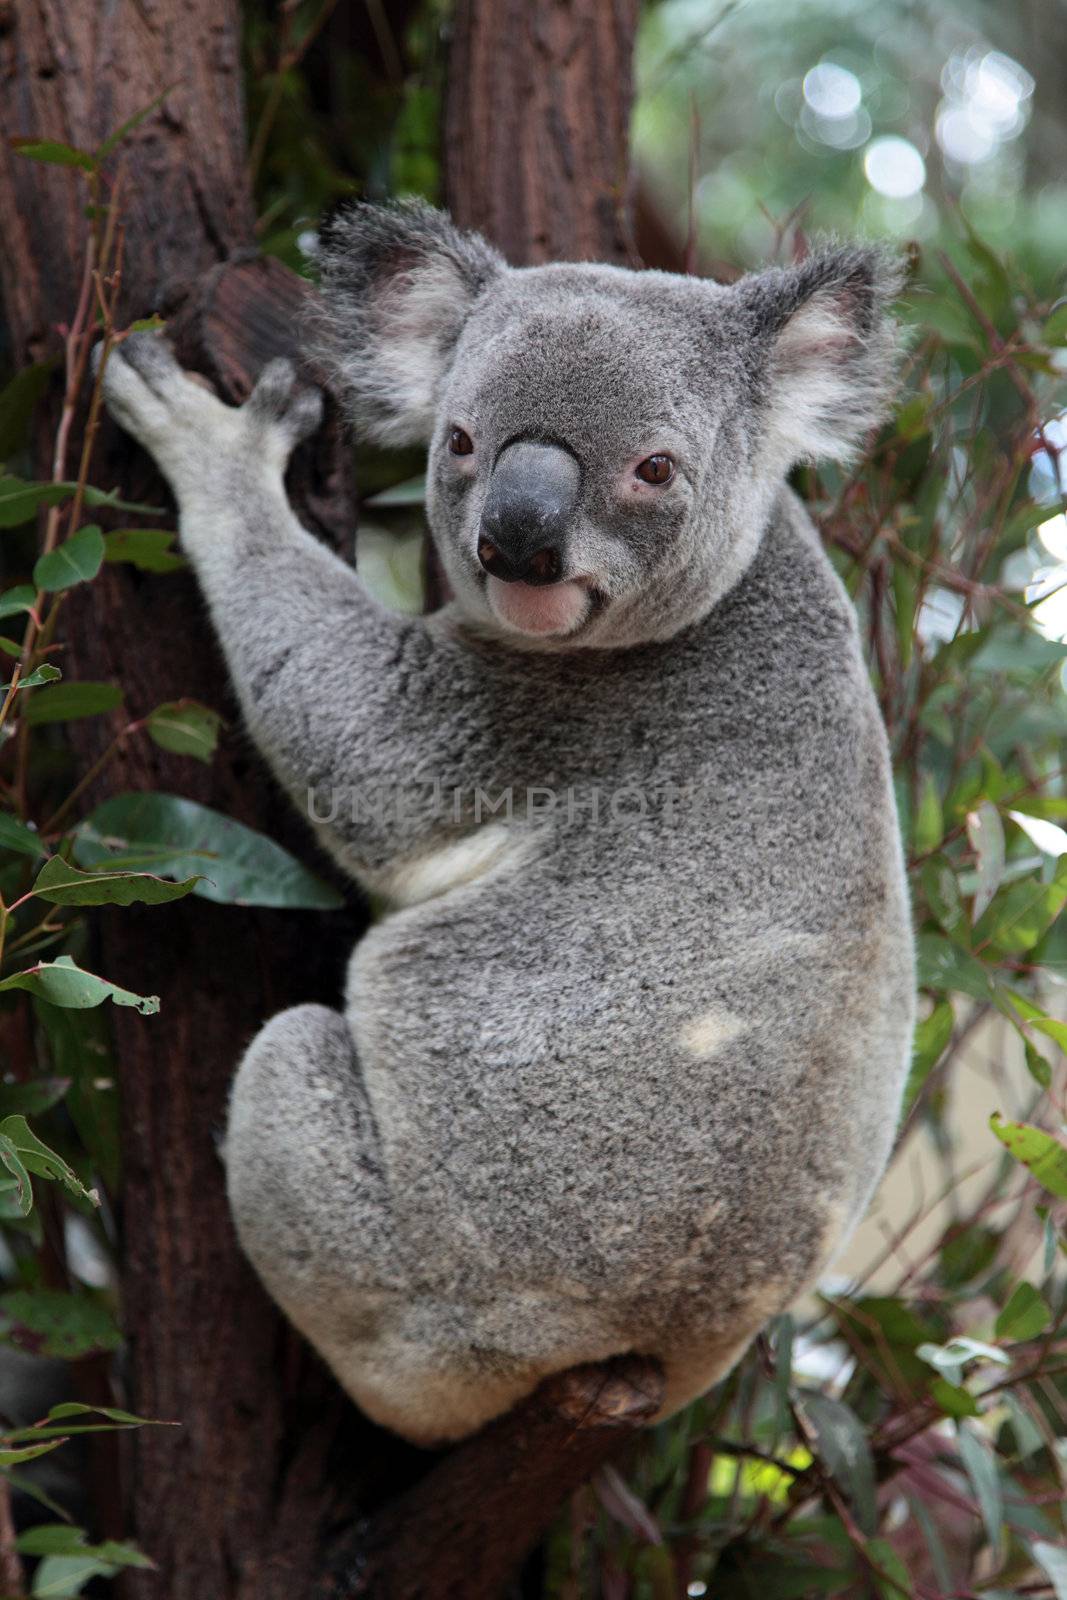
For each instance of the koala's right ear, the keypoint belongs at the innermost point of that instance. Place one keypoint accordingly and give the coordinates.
(398, 283)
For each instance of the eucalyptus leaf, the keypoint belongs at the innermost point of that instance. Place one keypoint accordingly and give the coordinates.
(63, 885)
(20, 598)
(54, 153)
(77, 560)
(21, 499)
(147, 549)
(186, 728)
(71, 701)
(1053, 1558)
(180, 838)
(50, 1322)
(45, 673)
(1026, 1314)
(845, 1451)
(986, 834)
(1044, 1155)
(62, 983)
(980, 1466)
(15, 835)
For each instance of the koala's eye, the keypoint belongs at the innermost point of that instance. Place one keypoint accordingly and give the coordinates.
(460, 443)
(656, 469)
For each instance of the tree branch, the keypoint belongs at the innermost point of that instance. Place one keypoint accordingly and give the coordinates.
(463, 1529)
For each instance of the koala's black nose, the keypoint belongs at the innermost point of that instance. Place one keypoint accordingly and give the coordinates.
(531, 499)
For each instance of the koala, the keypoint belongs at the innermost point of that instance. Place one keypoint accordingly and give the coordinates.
(619, 1061)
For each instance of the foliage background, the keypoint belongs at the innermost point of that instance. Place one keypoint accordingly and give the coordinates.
(904, 1431)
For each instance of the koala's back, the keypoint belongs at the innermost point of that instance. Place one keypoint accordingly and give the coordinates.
(636, 1080)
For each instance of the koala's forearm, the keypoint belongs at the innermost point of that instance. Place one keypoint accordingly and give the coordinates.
(310, 654)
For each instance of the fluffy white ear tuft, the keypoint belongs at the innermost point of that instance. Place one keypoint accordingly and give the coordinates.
(831, 349)
(398, 283)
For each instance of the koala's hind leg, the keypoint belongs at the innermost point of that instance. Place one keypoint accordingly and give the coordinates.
(305, 1180)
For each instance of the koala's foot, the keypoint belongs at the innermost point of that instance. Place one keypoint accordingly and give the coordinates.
(187, 428)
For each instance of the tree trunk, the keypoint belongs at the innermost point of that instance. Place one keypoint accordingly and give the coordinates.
(536, 135)
(231, 1504)
(270, 1465)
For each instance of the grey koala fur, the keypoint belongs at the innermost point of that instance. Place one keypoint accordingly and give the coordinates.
(601, 1084)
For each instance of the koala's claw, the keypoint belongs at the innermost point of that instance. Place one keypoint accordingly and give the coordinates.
(278, 397)
(152, 358)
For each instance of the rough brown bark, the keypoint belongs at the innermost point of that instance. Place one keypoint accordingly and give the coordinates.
(536, 126)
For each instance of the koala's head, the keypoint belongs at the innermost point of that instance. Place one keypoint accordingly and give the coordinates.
(604, 445)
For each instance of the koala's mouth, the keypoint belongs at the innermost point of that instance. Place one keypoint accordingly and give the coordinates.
(542, 611)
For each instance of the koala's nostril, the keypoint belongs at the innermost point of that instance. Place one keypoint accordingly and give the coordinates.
(543, 566)
(494, 561)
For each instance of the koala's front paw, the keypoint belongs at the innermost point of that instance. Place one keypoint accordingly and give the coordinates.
(193, 436)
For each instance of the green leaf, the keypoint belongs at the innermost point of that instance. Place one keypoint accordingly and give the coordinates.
(63, 885)
(48, 1322)
(45, 673)
(1022, 913)
(21, 1190)
(147, 549)
(412, 492)
(892, 1578)
(63, 984)
(54, 153)
(77, 560)
(39, 1159)
(1043, 1155)
(18, 400)
(943, 965)
(1038, 1019)
(180, 838)
(951, 1358)
(11, 1458)
(846, 1453)
(14, 835)
(391, 567)
(1025, 1315)
(79, 1044)
(953, 1401)
(1055, 330)
(929, 821)
(986, 834)
(20, 500)
(1036, 1065)
(61, 1577)
(20, 598)
(30, 1099)
(186, 728)
(980, 1466)
(56, 1422)
(932, 1035)
(71, 701)
(1053, 1558)
(942, 891)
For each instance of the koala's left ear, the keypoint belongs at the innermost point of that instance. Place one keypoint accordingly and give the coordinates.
(829, 347)
(398, 283)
